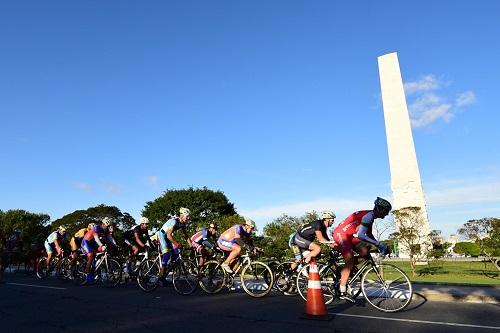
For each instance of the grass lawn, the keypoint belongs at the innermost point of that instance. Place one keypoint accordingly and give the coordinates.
(459, 272)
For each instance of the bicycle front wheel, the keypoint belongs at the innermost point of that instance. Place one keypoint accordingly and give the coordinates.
(327, 277)
(42, 268)
(386, 288)
(185, 277)
(148, 275)
(257, 279)
(212, 277)
(110, 273)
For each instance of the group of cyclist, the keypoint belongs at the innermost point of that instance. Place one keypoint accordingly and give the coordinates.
(354, 234)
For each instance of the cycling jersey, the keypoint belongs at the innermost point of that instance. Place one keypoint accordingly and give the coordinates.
(76, 241)
(355, 228)
(308, 231)
(129, 235)
(49, 242)
(92, 239)
(200, 239)
(231, 236)
(171, 225)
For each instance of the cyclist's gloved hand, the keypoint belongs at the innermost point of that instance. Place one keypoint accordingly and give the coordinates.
(383, 249)
(103, 248)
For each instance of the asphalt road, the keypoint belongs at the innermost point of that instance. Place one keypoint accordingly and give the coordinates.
(31, 305)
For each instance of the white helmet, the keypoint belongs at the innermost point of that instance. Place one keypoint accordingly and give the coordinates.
(249, 222)
(143, 220)
(184, 211)
(106, 221)
(91, 225)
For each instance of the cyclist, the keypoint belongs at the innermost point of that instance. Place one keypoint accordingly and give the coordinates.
(168, 244)
(353, 234)
(75, 242)
(53, 243)
(201, 241)
(138, 239)
(92, 243)
(233, 238)
(305, 236)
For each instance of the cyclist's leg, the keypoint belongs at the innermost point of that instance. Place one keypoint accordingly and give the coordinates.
(305, 244)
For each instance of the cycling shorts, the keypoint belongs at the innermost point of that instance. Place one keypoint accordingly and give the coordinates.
(50, 248)
(301, 242)
(89, 247)
(225, 245)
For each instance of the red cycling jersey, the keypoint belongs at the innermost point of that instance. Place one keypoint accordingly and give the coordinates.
(344, 233)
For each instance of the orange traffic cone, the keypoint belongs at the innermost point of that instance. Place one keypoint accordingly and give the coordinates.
(315, 304)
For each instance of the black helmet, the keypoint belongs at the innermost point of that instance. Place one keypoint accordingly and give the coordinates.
(382, 203)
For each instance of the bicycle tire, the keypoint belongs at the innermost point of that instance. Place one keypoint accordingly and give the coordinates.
(41, 268)
(285, 279)
(185, 277)
(257, 279)
(327, 277)
(148, 275)
(110, 273)
(212, 277)
(387, 288)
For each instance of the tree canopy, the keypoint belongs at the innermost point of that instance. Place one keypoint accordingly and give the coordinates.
(205, 206)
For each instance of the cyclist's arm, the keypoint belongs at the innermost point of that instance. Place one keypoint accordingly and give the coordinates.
(364, 235)
(207, 244)
(138, 239)
(111, 239)
(58, 247)
(170, 236)
(186, 236)
(322, 239)
(97, 240)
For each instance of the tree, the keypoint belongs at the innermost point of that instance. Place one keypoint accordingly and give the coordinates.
(276, 234)
(205, 206)
(409, 233)
(485, 233)
(81, 218)
(467, 248)
(33, 227)
(438, 246)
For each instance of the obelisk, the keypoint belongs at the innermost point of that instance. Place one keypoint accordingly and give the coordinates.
(405, 176)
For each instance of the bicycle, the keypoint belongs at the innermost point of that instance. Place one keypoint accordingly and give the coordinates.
(105, 269)
(384, 286)
(184, 274)
(256, 277)
(43, 269)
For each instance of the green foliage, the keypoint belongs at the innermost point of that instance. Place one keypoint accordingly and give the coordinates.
(33, 226)
(276, 234)
(485, 232)
(467, 248)
(205, 206)
(81, 218)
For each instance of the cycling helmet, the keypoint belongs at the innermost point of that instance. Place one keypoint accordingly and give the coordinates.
(213, 225)
(143, 220)
(61, 228)
(328, 215)
(382, 203)
(106, 221)
(17, 231)
(184, 211)
(249, 222)
(91, 225)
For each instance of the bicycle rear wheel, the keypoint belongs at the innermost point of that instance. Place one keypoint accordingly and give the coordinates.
(327, 277)
(185, 277)
(110, 273)
(257, 279)
(386, 288)
(285, 279)
(42, 268)
(212, 277)
(148, 275)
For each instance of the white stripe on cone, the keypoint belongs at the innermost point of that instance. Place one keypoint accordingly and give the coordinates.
(313, 285)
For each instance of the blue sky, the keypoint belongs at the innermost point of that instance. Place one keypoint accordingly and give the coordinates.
(275, 103)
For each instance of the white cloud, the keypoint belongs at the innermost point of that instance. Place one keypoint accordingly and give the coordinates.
(427, 107)
(153, 180)
(475, 192)
(113, 189)
(341, 208)
(82, 186)
(426, 83)
(465, 98)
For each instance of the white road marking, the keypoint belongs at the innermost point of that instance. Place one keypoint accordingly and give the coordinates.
(35, 286)
(416, 321)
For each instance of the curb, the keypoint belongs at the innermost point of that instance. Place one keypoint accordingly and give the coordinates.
(458, 293)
